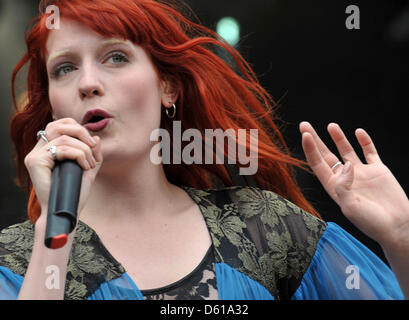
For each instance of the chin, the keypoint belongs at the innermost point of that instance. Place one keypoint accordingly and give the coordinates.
(118, 156)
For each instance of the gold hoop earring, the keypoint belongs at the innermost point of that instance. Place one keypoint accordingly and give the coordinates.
(171, 116)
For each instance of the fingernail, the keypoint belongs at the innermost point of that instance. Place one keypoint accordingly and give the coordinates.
(347, 167)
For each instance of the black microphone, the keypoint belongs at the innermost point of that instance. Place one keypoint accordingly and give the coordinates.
(63, 203)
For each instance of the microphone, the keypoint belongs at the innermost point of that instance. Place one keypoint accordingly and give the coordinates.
(63, 203)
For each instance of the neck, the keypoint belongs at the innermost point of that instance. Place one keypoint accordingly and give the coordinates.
(128, 193)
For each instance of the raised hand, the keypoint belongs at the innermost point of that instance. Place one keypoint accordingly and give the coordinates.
(367, 193)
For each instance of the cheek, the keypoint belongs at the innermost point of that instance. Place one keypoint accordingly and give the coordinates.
(142, 94)
(58, 99)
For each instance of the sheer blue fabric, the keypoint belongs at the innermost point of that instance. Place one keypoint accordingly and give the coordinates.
(234, 285)
(122, 288)
(10, 284)
(231, 284)
(343, 268)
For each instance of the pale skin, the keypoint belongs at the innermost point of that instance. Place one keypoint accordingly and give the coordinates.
(128, 200)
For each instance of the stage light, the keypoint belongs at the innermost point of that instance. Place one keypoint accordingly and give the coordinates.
(229, 29)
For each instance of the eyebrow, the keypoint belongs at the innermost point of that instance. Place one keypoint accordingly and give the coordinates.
(104, 44)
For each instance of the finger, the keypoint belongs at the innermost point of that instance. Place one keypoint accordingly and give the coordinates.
(345, 149)
(69, 128)
(74, 143)
(345, 197)
(315, 159)
(42, 137)
(368, 147)
(326, 154)
(64, 152)
(97, 149)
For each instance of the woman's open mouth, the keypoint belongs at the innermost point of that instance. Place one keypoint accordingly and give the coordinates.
(96, 120)
(98, 126)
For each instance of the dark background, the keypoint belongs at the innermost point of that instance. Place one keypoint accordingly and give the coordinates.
(303, 53)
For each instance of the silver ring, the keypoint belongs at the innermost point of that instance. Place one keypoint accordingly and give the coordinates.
(339, 163)
(53, 150)
(43, 135)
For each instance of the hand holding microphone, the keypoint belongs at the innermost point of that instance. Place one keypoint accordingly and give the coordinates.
(62, 168)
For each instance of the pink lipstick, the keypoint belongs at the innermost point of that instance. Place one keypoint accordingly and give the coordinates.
(97, 126)
(96, 120)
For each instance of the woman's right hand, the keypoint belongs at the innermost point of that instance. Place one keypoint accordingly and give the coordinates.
(73, 142)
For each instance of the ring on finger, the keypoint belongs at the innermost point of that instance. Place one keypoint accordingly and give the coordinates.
(43, 135)
(339, 163)
(53, 150)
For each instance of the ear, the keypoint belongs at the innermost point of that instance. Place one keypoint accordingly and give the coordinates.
(169, 93)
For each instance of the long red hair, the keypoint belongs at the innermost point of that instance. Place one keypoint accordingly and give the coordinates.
(210, 93)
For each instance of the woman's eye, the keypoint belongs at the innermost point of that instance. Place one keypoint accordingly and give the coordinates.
(118, 58)
(65, 68)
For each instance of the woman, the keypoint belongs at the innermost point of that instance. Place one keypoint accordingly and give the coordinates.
(97, 88)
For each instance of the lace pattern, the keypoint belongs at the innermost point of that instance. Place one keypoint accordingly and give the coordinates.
(201, 284)
(254, 231)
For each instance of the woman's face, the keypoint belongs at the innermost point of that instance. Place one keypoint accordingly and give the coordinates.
(87, 72)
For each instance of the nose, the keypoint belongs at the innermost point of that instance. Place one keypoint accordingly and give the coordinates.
(89, 84)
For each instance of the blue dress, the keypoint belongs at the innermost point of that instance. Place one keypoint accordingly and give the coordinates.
(263, 248)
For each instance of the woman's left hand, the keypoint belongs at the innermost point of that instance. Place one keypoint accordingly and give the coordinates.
(367, 193)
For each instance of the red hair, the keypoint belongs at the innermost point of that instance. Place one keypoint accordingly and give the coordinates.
(210, 94)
